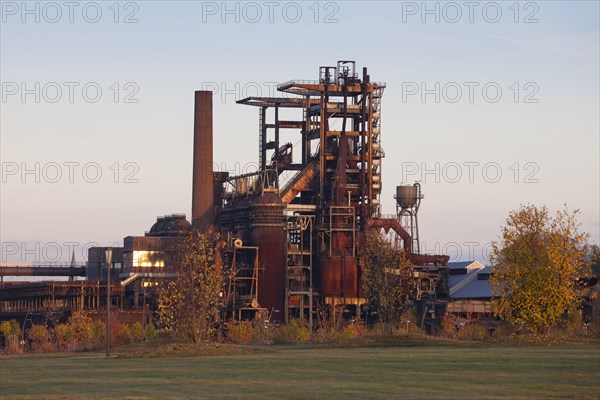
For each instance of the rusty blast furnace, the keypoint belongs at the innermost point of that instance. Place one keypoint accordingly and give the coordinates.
(294, 228)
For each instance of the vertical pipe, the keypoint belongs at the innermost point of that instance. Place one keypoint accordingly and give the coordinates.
(276, 134)
(202, 186)
(108, 262)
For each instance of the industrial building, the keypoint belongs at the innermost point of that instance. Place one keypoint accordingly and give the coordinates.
(294, 229)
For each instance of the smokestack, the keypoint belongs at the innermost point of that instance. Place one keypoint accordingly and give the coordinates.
(202, 185)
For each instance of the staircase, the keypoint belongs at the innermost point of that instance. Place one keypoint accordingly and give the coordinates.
(377, 152)
(299, 182)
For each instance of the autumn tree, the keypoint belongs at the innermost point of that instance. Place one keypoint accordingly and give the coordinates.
(79, 332)
(536, 264)
(594, 257)
(189, 304)
(11, 330)
(387, 278)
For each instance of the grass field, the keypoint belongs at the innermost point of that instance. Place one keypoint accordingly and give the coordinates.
(312, 372)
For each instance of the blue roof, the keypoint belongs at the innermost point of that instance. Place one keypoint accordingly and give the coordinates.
(474, 290)
(460, 264)
(486, 270)
(453, 280)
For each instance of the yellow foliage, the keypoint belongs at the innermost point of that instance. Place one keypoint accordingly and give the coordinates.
(189, 304)
(295, 331)
(535, 265)
(38, 335)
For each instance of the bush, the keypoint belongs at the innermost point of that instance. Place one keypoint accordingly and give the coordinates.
(63, 336)
(80, 332)
(353, 330)
(504, 330)
(448, 327)
(325, 335)
(38, 334)
(137, 331)
(120, 334)
(473, 331)
(245, 332)
(11, 330)
(82, 328)
(99, 332)
(295, 331)
(239, 332)
(150, 332)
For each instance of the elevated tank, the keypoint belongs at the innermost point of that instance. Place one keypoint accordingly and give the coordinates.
(407, 196)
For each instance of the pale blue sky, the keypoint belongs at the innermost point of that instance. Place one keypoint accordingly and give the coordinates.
(171, 51)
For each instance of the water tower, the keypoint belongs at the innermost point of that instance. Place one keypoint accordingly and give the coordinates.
(408, 199)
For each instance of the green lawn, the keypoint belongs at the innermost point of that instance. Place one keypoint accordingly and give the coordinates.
(421, 372)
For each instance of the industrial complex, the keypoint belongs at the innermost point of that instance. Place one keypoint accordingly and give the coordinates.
(293, 230)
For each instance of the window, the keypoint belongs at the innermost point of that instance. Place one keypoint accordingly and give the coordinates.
(142, 258)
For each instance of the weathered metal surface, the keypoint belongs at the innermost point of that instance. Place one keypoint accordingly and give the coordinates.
(406, 196)
(339, 277)
(268, 233)
(42, 271)
(203, 178)
(469, 306)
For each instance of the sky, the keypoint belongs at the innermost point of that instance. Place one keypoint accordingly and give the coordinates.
(489, 105)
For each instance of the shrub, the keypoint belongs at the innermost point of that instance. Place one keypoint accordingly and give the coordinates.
(448, 328)
(64, 336)
(245, 332)
(325, 335)
(120, 334)
(79, 332)
(150, 332)
(504, 330)
(473, 331)
(12, 332)
(137, 331)
(353, 330)
(99, 332)
(295, 331)
(82, 328)
(239, 332)
(38, 334)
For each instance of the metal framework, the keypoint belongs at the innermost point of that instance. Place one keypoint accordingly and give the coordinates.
(338, 173)
(299, 293)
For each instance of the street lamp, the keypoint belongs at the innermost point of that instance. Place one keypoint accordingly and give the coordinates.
(108, 262)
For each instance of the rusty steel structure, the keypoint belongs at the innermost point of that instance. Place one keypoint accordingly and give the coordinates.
(293, 231)
(56, 299)
(306, 215)
(69, 271)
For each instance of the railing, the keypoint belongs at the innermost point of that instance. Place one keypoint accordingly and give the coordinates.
(386, 216)
(297, 81)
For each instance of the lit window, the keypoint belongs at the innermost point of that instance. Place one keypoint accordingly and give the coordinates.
(143, 258)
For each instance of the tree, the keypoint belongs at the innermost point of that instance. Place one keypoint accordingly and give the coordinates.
(387, 278)
(11, 330)
(594, 257)
(535, 267)
(189, 303)
(80, 331)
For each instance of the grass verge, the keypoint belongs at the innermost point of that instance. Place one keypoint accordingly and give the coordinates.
(415, 370)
